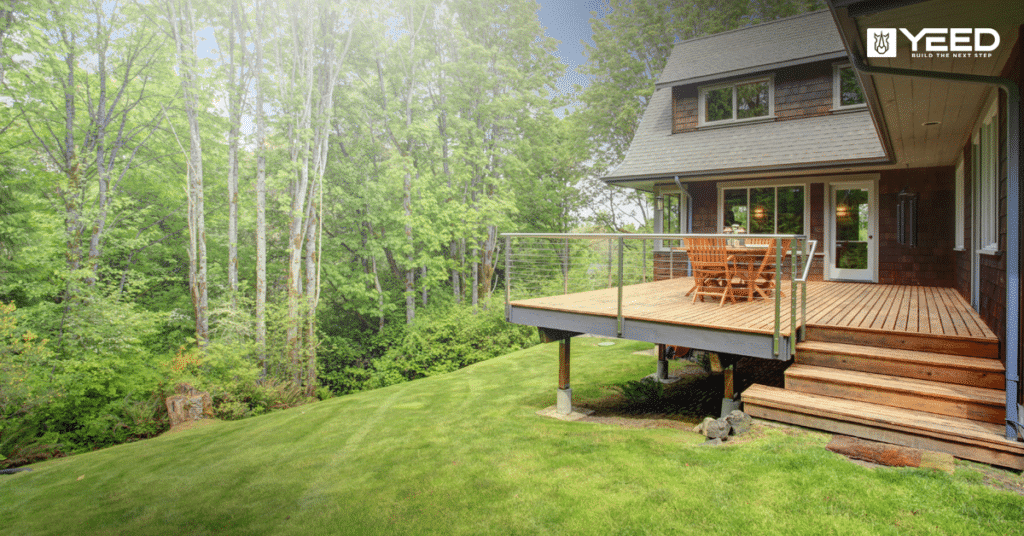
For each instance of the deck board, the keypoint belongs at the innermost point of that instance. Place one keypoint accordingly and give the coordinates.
(865, 306)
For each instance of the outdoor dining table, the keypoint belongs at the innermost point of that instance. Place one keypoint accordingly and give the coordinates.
(746, 263)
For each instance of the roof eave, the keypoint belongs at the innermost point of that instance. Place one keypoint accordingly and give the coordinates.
(710, 174)
(841, 54)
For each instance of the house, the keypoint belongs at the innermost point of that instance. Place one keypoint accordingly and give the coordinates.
(885, 136)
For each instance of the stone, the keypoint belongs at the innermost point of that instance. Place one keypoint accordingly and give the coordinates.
(713, 428)
(188, 404)
(712, 442)
(739, 422)
(703, 426)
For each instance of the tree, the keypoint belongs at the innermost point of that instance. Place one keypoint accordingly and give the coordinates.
(81, 75)
(181, 19)
(315, 54)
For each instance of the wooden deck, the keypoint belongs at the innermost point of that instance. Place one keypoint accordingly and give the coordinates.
(888, 309)
(914, 366)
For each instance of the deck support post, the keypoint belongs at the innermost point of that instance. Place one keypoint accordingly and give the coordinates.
(564, 398)
(662, 363)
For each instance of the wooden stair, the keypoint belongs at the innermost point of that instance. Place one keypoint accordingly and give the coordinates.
(905, 389)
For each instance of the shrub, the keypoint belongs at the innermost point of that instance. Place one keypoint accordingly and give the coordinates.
(645, 394)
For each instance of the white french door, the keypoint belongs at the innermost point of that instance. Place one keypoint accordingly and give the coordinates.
(852, 223)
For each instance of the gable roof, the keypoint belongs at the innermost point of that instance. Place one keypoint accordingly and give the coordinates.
(799, 39)
(656, 152)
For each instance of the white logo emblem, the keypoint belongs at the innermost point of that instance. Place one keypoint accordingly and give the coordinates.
(881, 42)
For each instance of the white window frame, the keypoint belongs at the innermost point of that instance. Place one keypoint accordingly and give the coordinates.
(836, 91)
(986, 181)
(701, 114)
(958, 195)
(777, 183)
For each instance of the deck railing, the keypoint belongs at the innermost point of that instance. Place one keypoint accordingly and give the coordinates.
(541, 264)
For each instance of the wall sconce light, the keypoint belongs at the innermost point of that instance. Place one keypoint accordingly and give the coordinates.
(659, 203)
(906, 218)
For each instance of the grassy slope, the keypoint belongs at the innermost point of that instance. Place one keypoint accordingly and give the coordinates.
(465, 453)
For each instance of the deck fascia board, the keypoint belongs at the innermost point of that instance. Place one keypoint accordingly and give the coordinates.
(719, 340)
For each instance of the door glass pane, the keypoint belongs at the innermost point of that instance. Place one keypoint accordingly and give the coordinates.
(851, 212)
(718, 104)
(735, 213)
(762, 210)
(752, 100)
(791, 210)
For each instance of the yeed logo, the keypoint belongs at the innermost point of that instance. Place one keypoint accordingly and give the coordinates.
(938, 42)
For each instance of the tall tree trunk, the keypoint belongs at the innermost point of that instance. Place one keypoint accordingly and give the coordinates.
(261, 197)
(380, 295)
(236, 89)
(181, 16)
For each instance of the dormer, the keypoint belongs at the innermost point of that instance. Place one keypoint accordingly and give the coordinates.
(774, 96)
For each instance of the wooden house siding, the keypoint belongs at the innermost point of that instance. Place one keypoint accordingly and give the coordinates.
(931, 261)
(803, 91)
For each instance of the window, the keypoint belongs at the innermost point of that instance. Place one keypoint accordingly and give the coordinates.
(764, 209)
(749, 99)
(846, 91)
(985, 152)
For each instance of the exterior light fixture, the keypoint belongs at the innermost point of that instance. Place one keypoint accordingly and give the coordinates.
(760, 213)
(659, 203)
(842, 211)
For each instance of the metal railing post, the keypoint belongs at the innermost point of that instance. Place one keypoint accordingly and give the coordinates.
(803, 293)
(508, 278)
(621, 254)
(778, 298)
(793, 258)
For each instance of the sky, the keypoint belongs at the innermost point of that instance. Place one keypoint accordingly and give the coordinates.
(568, 21)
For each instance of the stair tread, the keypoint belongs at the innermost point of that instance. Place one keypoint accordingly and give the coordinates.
(930, 388)
(897, 419)
(912, 356)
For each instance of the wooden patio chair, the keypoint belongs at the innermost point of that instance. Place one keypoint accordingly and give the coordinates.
(712, 273)
(763, 280)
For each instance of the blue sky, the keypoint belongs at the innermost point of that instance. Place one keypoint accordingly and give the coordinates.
(568, 21)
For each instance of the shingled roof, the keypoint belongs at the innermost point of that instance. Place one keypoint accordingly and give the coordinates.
(829, 140)
(799, 39)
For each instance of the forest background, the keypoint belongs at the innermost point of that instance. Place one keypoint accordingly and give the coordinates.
(308, 209)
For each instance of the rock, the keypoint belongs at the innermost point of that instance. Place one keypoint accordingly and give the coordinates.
(739, 421)
(712, 442)
(702, 426)
(188, 404)
(713, 428)
(717, 429)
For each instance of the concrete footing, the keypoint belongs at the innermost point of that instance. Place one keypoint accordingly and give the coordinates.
(728, 405)
(662, 373)
(563, 402)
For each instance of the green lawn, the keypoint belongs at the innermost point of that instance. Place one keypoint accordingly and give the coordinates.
(465, 453)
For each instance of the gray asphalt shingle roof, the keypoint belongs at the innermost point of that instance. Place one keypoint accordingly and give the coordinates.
(656, 152)
(745, 50)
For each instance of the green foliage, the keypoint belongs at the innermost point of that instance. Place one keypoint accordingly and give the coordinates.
(443, 338)
(643, 394)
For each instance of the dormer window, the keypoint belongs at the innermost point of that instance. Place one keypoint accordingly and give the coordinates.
(846, 91)
(738, 101)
